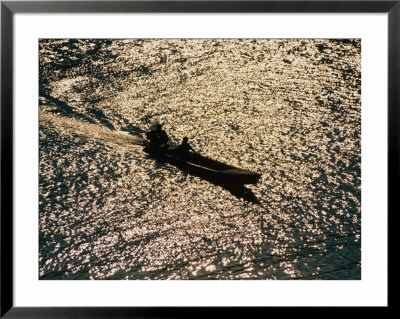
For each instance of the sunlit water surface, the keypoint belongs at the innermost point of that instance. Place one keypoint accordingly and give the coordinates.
(289, 109)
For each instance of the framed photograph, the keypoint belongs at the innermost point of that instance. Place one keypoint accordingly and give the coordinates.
(159, 156)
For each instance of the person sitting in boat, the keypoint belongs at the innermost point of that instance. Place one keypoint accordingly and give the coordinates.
(158, 137)
(184, 148)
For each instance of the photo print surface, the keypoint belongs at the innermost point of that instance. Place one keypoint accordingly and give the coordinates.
(188, 159)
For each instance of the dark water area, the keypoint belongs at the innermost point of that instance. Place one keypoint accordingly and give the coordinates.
(288, 109)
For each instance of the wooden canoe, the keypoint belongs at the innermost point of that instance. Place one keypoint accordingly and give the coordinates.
(202, 166)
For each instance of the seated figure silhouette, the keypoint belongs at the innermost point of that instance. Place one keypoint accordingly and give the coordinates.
(184, 148)
(158, 137)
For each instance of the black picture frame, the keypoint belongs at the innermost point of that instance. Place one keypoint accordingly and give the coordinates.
(9, 8)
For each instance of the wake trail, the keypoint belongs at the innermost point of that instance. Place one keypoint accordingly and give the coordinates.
(71, 126)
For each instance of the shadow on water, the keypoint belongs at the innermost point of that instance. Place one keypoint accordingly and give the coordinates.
(60, 107)
(240, 191)
(101, 117)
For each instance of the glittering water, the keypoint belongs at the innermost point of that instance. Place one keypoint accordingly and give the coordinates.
(289, 109)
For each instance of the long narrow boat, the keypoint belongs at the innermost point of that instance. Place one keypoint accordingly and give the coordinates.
(202, 166)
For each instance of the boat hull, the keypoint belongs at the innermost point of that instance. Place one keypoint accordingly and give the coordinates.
(204, 167)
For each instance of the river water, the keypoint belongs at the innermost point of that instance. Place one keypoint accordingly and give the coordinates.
(289, 109)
